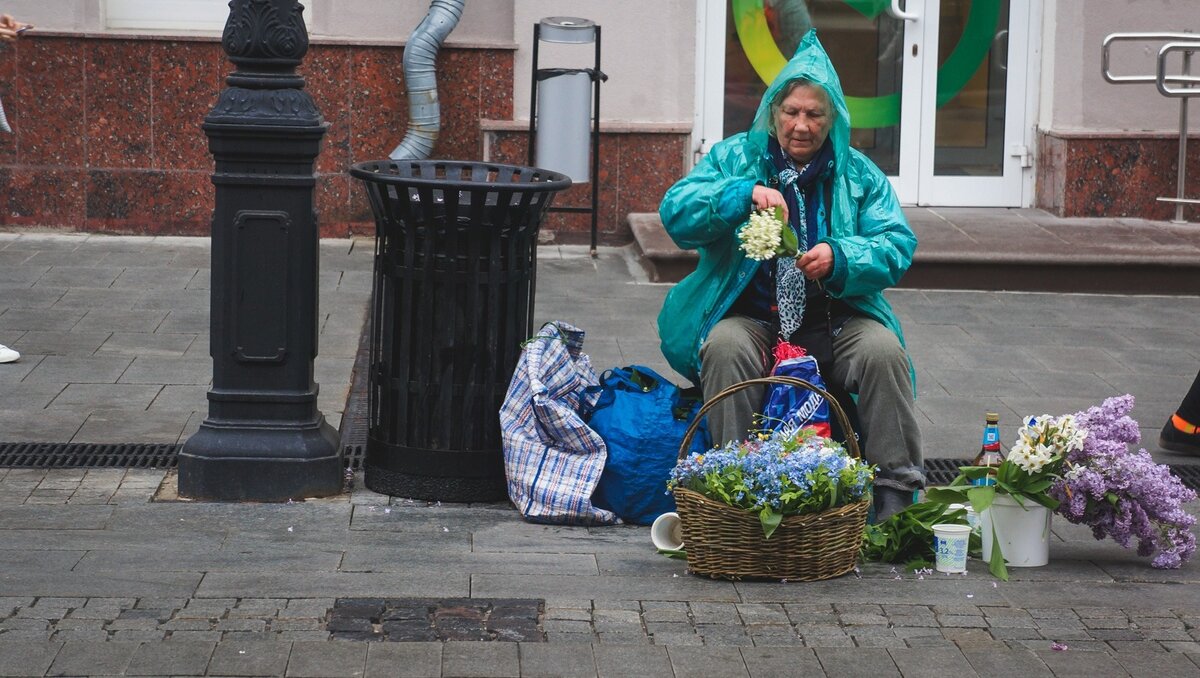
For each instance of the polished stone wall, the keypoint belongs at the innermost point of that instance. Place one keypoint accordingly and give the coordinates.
(1114, 175)
(108, 134)
(108, 138)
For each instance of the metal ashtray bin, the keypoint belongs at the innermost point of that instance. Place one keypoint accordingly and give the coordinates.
(454, 282)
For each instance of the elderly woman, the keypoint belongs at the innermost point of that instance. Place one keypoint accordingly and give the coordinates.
(720, 323)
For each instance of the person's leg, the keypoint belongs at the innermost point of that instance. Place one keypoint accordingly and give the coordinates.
(870, 361)
(737, 349)
(1180, 434)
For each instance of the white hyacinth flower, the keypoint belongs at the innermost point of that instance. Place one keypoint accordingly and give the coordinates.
(1030, 458)
(761, 236)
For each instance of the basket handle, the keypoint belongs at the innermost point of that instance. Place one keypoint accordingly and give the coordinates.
(851, 439)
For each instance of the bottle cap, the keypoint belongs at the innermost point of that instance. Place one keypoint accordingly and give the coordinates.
(992, 418)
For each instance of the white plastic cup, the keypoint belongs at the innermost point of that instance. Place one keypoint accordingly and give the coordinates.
(667, 532)
(950, 547)
(972, 517)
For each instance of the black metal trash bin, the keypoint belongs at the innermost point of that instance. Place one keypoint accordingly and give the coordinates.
(455, 268)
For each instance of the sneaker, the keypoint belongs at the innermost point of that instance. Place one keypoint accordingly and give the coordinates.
(1175, 440)
(7, 355)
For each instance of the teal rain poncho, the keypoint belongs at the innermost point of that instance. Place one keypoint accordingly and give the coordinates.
(871, 240)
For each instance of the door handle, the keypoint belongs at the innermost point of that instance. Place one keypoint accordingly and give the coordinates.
(999, 51)
(896, 13)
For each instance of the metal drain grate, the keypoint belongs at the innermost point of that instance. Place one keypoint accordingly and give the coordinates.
(943, 471)
(114, 455)
(1189, 474)
(353, 457)
(356, 419)
(87, 455)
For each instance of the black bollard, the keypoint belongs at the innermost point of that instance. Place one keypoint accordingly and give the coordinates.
(264, 438)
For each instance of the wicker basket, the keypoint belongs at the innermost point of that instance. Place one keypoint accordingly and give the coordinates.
(726, 542)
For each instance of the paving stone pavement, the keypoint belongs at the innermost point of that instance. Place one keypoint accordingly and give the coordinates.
(106, 572)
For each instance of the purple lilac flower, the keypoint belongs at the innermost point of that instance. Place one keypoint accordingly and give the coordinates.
(1125, 495)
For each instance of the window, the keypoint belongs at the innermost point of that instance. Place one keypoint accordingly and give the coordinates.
(186, 15)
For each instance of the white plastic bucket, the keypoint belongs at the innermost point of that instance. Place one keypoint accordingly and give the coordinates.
(1024, 533)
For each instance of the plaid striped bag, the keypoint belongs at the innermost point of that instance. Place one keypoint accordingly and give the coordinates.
(552, 459)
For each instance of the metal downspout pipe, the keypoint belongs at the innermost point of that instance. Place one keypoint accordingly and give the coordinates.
(420, 77)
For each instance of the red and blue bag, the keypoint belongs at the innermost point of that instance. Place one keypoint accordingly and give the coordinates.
(790, 407)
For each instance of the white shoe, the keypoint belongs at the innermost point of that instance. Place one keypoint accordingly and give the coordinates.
(7, 355)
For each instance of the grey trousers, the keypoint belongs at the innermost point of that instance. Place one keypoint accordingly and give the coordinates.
(870, 362)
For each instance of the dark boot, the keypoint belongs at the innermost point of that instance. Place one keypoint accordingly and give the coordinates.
(889, 501)
(1175, 440)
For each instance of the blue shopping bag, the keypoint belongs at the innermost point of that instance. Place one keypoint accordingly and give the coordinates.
(642, 418)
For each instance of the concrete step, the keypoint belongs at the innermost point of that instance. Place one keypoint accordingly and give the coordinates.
(658, 254)
(1007, 249)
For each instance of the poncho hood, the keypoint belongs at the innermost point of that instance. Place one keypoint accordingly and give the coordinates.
(811, 63)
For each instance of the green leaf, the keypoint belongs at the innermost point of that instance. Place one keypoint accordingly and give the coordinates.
(674, 553)
(996, 564)
(981, 497)
(789, 245)
(1038, 486)
(1049, 502)
(947, 495)
(1008, 473)
(905, 536)
(973, 472)
(960, 479)
(918, 564)
(770, 521)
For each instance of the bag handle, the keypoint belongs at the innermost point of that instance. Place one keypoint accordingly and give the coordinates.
(684, 401)
(634, 379)
(851, 440)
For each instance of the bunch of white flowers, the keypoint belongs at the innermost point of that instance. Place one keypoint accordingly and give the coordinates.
(1044, 439)
(762, 235)
(1031, 458)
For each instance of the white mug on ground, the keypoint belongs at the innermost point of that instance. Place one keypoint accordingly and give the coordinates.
(667, 532)
(950, 547)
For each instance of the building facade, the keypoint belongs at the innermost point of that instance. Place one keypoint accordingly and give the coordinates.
(982, 103)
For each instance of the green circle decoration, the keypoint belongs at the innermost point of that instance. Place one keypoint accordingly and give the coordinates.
(750, 21)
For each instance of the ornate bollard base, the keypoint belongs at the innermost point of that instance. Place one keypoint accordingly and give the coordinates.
(268, 464)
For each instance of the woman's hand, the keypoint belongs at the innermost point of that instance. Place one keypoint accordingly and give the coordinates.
(766, 198)
(8, 27)
(817, 262)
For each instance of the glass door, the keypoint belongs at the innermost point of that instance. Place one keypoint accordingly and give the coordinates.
(935, 88)
(974, 140)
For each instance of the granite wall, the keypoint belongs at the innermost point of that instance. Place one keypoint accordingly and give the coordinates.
(108, 134)
(1114, 175)
(108, 138)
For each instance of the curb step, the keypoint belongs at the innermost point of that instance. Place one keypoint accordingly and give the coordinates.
(1106, 256)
